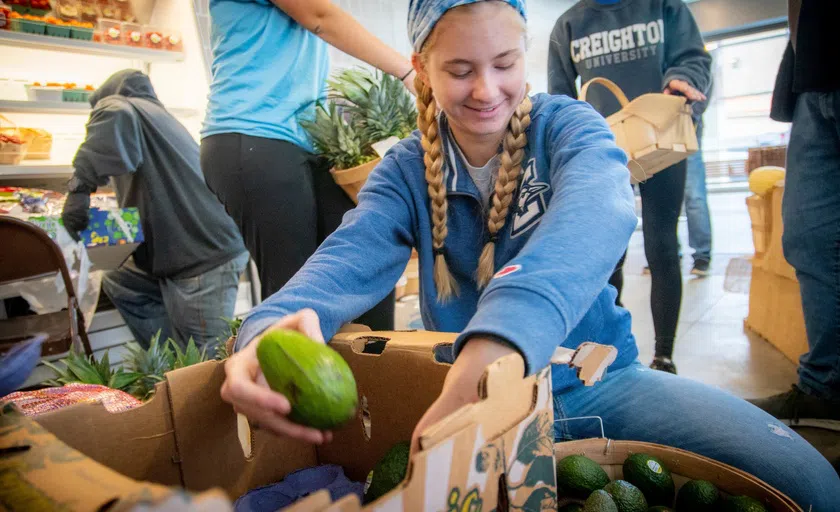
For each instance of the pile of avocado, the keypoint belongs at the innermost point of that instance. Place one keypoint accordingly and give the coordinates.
(647, 487)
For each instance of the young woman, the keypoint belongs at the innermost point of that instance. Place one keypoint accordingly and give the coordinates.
(519, 209)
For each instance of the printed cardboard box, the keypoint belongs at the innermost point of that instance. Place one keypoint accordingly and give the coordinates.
(83, 458)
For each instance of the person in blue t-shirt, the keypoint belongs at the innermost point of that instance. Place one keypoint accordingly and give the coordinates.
(270, 65)
(643, 46)
(519, 208)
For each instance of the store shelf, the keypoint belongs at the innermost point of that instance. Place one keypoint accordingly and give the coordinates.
(35, 169)
(68, 107)
(61, 44)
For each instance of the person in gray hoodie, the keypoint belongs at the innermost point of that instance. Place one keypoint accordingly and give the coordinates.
(644, 46)
(183, 279)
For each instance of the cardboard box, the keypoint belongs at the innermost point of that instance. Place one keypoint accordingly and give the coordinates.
(186, 436)
(775, 311)
(111, 237)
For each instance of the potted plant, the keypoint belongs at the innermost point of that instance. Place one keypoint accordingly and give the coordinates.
(362, 109)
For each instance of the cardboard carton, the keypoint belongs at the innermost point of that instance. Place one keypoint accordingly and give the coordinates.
(499, 450)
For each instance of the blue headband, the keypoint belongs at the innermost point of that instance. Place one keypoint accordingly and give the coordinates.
(424, 14)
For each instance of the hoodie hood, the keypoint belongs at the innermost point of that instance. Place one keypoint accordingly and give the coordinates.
(128, 82)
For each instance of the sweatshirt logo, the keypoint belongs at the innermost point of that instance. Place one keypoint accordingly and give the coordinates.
(531, 204)
(633, 42)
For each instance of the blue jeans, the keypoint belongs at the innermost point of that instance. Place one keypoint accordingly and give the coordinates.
(811, 240)
(180, 308)
(640, 404)
(697, 206)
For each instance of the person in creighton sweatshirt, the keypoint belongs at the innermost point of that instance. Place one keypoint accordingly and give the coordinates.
(516, 238)
(643, 46)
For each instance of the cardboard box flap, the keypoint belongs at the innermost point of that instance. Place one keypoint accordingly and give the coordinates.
(207, 438)
(418, 341)
(396, 383)
(475, 468)
(138, 443)
(42, 473)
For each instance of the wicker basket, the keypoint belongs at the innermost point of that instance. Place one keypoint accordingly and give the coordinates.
(352, 180)
(684, 466)
(10, 153)
(766, 155)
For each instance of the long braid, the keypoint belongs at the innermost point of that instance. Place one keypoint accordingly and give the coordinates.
(511, 166)
(433, 158)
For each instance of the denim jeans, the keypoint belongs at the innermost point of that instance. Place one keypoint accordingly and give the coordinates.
(180, 308)
(640, 404)
(811, 239)
(697, 206)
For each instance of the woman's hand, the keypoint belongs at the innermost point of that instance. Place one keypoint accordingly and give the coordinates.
(246, 389)
(461, 384)
(683, 87)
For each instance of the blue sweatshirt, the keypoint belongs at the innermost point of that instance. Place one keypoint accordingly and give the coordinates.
(568, 226)
(641, 45)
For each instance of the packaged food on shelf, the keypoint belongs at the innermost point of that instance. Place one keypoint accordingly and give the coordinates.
(57, 27)
(13, 147)
(89, 11)
(172, 40)
(153, 38)
(5, 16)
(82, 31)
(39, 7)
(18, 6)
(37, 92)
(132, 34)
(111, 31)
(40, 143)
(110, 11)
(67, 10)
(28, 24)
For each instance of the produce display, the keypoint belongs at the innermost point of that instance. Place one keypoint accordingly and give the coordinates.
(103, 21)
(764, 179)
(647, 486)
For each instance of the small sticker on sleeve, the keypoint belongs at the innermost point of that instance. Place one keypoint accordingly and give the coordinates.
(510, 269)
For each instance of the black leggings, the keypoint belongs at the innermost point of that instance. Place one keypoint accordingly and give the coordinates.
(285, 203)
(662, 197)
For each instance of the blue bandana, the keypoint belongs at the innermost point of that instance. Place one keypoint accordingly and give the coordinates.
(424, 14)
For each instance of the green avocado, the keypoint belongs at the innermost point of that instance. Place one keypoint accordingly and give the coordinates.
(388, 472)
(314, 378)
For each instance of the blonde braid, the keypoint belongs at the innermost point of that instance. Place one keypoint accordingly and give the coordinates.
(511, 166)
(433, 158)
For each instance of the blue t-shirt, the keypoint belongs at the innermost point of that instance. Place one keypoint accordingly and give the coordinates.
(267, 71)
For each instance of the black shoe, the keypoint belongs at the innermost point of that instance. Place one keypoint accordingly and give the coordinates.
(799, 409)
(663, 364)
(701, 268)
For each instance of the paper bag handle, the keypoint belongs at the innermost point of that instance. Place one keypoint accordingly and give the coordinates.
(609, 84)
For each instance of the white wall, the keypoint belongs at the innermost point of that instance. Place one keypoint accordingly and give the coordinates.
(387, 20)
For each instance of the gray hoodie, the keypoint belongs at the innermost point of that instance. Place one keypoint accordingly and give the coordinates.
(154, 165)
(641, 45)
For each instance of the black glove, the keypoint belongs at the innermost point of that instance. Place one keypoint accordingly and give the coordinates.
(75, 214)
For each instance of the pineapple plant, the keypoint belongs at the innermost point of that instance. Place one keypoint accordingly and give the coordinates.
(379, 103)
(87, 370)
(362, 108)
(189, 356)
(151, 364)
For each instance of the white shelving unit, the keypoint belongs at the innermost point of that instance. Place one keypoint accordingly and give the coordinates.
(36, 169)
(68, 107)
(61, 44)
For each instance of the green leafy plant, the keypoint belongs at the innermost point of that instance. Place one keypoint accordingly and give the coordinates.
(233, 330)
(87, 370)
(362, 108)
(151, 363)
(189, 356)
